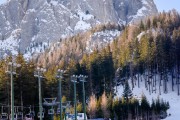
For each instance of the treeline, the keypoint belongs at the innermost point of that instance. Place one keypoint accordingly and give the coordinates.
(126, 107)
(133, 109)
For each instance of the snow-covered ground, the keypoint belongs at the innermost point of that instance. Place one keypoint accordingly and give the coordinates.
(101, 38)
(35, 48)
(82, 24)
(12, 42)
(171, 96)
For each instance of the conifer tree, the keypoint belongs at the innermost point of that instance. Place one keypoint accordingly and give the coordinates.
(117, 108)
(141, 26)
(127, 93)
(99, 112)
(145, 106)
(79, 108)
(92, 108)
(104, 107)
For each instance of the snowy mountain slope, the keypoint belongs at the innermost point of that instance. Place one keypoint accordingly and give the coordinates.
(101, 39)
(171, 96)
(87, 42)
(47, 21)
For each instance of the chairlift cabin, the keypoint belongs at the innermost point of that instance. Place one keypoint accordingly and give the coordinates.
(32, 113)
(70, 116)
(19, 116)
(4, 116)
(51, 112)
(80, 116)
(28, 117)
(39, 114)
(49, 101)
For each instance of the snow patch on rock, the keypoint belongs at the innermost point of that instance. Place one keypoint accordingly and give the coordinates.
(54, 2)
(84, 16)
(12, 42)
(82, 25)
(101, 39)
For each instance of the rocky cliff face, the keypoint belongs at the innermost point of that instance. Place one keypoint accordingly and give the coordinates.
(28, 23)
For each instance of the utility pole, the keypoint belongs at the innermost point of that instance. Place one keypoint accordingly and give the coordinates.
(39, 74)
(12, 71)
(82, 79)
(60, 76)
(74, 80)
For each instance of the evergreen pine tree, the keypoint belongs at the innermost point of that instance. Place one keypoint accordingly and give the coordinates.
(145, 107)
(127, 93)
(141, 25)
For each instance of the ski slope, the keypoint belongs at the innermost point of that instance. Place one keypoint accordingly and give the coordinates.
(171, 96)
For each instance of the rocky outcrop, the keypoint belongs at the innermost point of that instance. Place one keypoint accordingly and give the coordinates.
(44, 21)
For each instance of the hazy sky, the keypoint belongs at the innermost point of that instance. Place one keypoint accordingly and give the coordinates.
(167, 5)
(161, 4)
(2, 1)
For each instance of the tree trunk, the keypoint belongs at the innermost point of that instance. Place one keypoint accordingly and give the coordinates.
(159, 84)
(131, 74)
(138, 81)
(172, 78)
(177, 79)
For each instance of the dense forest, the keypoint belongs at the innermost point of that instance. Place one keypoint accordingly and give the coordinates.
(145, 51)
(149, 48)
